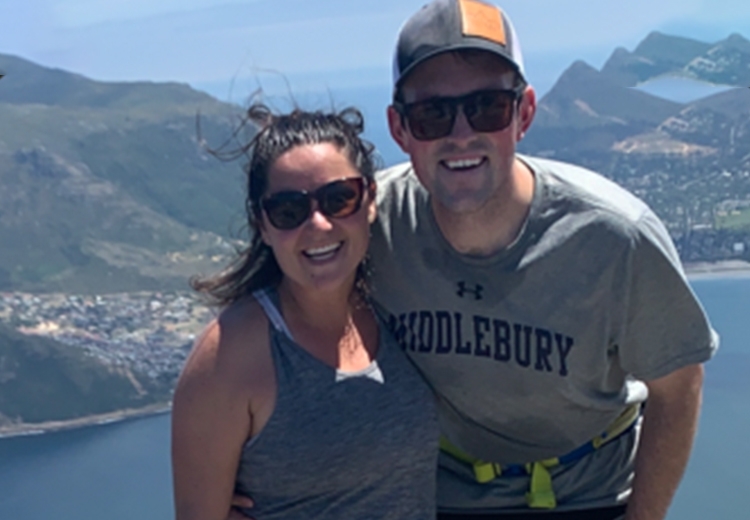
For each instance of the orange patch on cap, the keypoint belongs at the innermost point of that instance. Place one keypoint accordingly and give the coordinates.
(482, 21)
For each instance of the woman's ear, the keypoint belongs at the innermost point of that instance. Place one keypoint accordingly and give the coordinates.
(261, 226)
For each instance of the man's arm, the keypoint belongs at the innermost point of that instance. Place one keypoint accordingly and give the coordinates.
(669, 425)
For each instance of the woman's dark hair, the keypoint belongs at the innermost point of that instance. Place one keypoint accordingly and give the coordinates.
(255, 267)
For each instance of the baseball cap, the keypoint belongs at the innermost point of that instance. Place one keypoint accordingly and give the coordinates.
(451, 25)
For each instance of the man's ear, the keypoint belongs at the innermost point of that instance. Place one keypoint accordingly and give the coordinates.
(372, 203)
(526, 111)
(399, 132)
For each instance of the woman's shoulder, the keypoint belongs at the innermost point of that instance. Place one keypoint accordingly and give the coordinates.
(234, 345)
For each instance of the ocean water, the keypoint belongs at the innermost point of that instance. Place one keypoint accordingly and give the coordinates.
(121, 471)
(681, 90)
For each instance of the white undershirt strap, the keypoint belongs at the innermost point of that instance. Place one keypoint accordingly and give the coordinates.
(274, 316)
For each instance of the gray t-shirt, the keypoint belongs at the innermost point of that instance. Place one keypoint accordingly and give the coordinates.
(536, 349)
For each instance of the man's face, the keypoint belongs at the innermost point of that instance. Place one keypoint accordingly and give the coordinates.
(466, 168)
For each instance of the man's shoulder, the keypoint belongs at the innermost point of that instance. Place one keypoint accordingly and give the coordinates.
(397, 184)
(397, 176)
(604, 203)
(581, 186)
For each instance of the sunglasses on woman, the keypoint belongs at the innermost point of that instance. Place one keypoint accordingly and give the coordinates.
(290, 209)
(485, 110)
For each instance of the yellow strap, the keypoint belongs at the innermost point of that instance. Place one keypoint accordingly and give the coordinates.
(483, 471)
(622, 423)
(450, 449)
(540, 495)
(486, 471)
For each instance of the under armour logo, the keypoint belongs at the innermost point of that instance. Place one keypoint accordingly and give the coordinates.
(476, 291)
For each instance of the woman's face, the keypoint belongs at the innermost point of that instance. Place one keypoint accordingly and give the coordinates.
(323, 252)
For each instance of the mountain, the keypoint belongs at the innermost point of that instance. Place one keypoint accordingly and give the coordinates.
(109, 187)
(586, 110)
(42, 380)
(657, 54)
(688, 161)
(725, 62)
(105, 186)
(27, 83)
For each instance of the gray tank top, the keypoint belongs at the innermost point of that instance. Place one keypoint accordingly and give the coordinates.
(342, 445)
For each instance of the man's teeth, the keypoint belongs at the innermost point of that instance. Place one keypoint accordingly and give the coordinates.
(319, 251)
(461, 164)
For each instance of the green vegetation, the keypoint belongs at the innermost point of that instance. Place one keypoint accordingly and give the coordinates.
(735, 220)
(105, 187)
(108, 186)
(43, 380)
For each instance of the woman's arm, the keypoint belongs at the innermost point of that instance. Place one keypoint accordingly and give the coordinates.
(212, 419)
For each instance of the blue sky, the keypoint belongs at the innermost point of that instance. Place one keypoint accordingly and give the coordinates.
(319, 44)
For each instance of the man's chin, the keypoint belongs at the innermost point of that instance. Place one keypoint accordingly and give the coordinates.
(461, 203)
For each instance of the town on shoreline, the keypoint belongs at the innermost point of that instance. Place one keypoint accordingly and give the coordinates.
(152, 333)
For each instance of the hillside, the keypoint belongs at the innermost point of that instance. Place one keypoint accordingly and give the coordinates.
(690, 162)
(586, 111)
(42, 380)
(725, 62)
(107, 188)
(104, 187)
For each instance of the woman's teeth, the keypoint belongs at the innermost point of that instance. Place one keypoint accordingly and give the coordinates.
(318, 252)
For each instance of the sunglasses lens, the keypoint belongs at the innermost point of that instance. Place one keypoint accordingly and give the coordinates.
(486, 111)
(431, 119)
(287, 209)
(341, 198)
(489, 111)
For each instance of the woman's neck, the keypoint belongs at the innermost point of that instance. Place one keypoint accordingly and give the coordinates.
(336, 327)
(326, 310)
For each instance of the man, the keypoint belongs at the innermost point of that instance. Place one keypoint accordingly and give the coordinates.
(543, 303)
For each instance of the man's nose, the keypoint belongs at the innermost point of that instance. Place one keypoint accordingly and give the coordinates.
(461, 127)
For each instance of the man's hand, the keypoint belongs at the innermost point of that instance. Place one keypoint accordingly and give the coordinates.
(240, 501)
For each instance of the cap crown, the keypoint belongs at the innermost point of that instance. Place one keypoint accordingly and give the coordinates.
(452, 25)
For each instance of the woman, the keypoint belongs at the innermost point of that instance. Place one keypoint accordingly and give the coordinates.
(295, 395)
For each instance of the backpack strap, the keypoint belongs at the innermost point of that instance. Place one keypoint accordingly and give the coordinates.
(540, 494)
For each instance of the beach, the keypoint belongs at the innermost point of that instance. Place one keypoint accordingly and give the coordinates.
(21, 429)
(723, 268)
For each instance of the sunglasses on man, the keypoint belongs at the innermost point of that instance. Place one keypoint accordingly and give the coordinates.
(488, 110)
(288, 210)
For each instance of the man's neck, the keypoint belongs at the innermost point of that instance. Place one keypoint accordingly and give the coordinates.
(497, 224)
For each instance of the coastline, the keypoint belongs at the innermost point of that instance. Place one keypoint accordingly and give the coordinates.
(693, 270)
(720, 269)
(25, 429)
